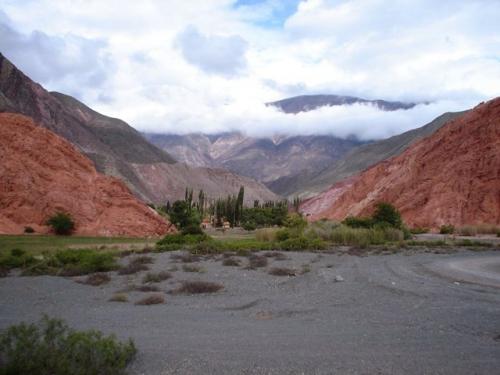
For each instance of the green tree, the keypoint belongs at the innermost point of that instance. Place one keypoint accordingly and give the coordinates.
(61, 223)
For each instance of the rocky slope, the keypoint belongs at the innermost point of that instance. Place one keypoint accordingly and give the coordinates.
(42, 174)
(358, 159)
(450, 177)
(115, 147)
(306, 103)
(265, 159)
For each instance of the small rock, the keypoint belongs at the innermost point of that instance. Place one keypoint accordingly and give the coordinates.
(338, 278)
(456, 283)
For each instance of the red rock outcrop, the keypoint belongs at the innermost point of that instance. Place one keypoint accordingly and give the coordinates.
(41, 173)
(450, 177)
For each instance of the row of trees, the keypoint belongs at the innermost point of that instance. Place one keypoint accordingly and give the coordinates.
(189, 213)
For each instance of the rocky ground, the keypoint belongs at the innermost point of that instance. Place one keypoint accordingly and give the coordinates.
(413, 313)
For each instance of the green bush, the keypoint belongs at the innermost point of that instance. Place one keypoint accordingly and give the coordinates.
(358, 222)
(29, 230)
(179, 241)
(52, 348)
(185, 218)
(387, 213)
(249, 225)
(16, 259)
(70, 262)
(447, 229)
(302, 243)
(61, 223)
(419, 230)
(266, 234)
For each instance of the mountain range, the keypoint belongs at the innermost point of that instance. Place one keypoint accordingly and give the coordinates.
(116, 148)
(451, 176)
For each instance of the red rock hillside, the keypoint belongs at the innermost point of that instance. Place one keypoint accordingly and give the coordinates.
(41, 173)
(450, 177)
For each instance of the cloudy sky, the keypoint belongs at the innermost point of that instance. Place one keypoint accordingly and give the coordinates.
(210, 65)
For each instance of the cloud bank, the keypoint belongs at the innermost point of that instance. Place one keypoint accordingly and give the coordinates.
(189, 66)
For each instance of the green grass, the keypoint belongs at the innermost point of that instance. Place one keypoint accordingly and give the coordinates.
(36, 244)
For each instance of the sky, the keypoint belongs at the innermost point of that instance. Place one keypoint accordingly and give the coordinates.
(177, 66)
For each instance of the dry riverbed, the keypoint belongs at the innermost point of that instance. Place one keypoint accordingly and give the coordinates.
(294, 313)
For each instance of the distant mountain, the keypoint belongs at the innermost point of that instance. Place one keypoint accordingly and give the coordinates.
(305, 103)
(115, 147)
(42, 174)
(264, 159)
(449, 177)
(356, 160)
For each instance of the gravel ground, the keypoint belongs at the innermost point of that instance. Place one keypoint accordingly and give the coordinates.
(422, 313)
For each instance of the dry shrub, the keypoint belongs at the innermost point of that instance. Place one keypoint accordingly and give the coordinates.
(279, 271)
(231, 262)
(256, 261)
(151, 277)
(185, 257)
(192, 268)
(146, 288)
(266, 234)
(132, 268)
(474, 230)
(276, 255)
(143, 259)
(198, 287)
(96, 279)
(153, 299)
(119, 297)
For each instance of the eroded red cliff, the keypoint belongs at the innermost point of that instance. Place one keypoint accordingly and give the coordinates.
(450, 177)
(41, 173)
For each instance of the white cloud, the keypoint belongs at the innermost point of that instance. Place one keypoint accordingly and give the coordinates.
(181, 66)
(217, 54)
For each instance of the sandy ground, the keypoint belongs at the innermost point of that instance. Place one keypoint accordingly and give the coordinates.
(393, 314)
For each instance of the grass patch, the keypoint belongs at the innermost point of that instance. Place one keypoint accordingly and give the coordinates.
(184, 258)
(51, 347)
(96, 279)
(276, 255)
(151, 277)
(119, 297)
(197, 287)
(154, 299)
(266, 234)
(474, 230)
(38, 244)
(282, 271)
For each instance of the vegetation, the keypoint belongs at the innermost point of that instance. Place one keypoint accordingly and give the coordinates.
(151, 277)
(197, 287)
(29, 230)
(474, 230)
(231, 262)
(119, 297)
(256, 261)
(52, 348)
(97, 279)
(447, 229)
(154, 299)
(192, 268)
(61, 223)
(281, 271)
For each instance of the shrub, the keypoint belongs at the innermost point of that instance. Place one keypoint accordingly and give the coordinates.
(447, 229)
(146, 288)
(249, 225)
(256, 261)
(295, 221)
(178, 241)
(16, 259)
(302, 243)
(83, 261)
(185, 218)
(153, 299)
(344, 235)
(61, 223)
(51, 347)
(282, 272)
(231, 262)
(132, 268)
(156, 277)
(29, 230)
(185, 257)
(97, 279)
(276, 255)
(143, 259)
(387, 213)
(119, 297)
(197, 287)
(266, 234)
(358, 222)
(419, 230)
(192, 268)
